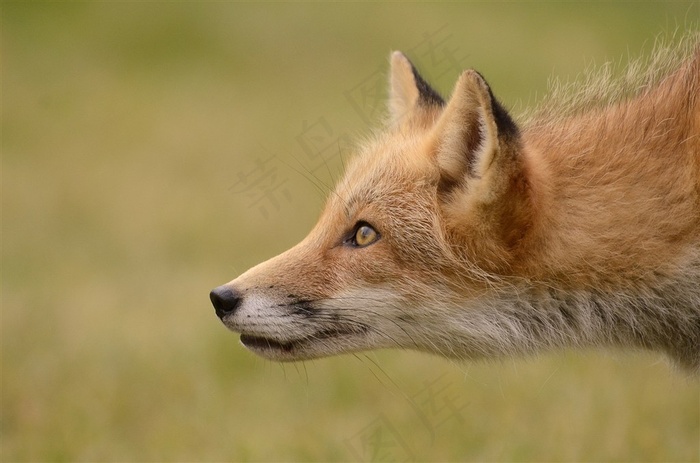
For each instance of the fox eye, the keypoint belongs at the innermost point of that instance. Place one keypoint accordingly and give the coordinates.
(364, 235)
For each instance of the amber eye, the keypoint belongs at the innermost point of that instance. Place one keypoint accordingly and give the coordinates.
(365, 235)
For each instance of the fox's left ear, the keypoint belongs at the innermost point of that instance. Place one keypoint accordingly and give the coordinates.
(409, 92)
(475, 135)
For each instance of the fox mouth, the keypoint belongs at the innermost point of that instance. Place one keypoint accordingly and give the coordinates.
(296, 349)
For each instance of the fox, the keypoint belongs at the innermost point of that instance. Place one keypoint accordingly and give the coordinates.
(460, 232)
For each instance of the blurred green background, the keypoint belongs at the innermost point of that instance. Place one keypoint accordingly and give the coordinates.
(152, 151)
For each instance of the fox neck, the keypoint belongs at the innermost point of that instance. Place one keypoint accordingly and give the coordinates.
(529, 318)
(592, 175)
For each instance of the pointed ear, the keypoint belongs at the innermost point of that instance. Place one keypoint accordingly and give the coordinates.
(408, 90)
(472, 131)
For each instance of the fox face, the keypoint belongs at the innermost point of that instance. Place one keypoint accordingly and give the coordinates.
(458, 233)
(384, 229)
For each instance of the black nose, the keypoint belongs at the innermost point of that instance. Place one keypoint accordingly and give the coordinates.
(225, 300)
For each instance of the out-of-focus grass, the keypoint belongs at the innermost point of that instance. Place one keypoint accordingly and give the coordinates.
(127, 131)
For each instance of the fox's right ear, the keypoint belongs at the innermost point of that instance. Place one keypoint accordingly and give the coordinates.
(476, 136)
(408, 90)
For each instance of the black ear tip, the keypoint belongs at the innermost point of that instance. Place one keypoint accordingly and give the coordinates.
(505, 123)
(428, 96)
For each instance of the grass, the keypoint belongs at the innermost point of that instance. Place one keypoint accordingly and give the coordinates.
(127, 133)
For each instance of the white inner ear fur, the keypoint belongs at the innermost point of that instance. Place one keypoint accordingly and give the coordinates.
(453, 156)
(403, 93)
(484, 152)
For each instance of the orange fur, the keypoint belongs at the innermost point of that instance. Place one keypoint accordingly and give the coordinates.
(494, 239)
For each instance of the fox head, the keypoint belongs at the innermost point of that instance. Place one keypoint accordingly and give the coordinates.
(411, 242)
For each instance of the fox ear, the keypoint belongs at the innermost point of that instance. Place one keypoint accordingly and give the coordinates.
(471, 132)
(408, 90)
